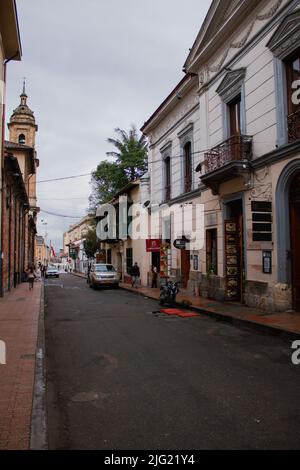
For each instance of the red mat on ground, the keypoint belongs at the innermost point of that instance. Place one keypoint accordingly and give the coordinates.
(179, 313)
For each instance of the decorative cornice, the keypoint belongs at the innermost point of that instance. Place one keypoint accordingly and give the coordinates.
(231, 84)
(187, 130)
(287, 36)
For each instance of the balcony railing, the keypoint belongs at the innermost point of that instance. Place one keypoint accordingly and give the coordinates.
(294, 126)
(237, 148)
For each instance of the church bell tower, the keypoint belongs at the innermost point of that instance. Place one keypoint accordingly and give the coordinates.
(22, 126)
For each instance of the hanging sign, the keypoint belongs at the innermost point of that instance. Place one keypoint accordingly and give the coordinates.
(180, 244)
(165, 260)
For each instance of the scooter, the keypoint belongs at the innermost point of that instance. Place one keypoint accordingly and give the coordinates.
(168, 293)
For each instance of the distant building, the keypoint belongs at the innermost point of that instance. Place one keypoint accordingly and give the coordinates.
(42, 251)
(123, 250)
(73, 243)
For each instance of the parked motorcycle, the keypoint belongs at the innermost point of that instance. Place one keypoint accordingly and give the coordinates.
(168, 293)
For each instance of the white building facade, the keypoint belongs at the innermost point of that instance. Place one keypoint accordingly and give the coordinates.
(241, 116)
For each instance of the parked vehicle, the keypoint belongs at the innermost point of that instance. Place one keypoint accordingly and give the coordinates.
(168, 293)
(52, 271)
(104, 275)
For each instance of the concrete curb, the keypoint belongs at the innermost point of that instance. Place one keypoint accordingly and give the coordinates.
(262, 328)
(38, 436)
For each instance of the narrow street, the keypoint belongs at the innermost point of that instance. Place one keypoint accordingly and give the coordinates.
(120, 375)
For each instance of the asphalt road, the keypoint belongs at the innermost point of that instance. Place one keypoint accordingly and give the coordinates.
(122, 377)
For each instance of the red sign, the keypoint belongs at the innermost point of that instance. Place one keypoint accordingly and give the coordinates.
(153, 246)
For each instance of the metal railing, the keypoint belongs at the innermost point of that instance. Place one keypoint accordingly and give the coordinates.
(294, 126)
(236, 148)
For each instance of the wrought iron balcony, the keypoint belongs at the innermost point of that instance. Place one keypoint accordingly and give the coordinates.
(227, 160)
(294, 126)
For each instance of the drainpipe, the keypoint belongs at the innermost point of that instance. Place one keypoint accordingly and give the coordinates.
(1, 170)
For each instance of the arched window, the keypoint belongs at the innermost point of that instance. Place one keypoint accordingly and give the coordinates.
(22, 139)
(187, 151)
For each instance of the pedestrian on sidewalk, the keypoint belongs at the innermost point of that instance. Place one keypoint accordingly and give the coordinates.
(154, 277)
(31, 275)
(135, 275)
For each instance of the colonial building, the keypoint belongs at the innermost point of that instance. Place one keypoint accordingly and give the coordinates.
(22, 131)
(10, 49)
(128, 245)
(174, 139)
(73, 243)
(15, 205)
(42, 251)
(246, 58)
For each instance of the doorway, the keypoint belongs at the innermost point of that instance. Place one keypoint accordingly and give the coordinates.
(234, 251)
(185, 267)
(294, 198)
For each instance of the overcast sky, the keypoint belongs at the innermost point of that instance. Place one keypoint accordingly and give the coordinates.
(92, 66)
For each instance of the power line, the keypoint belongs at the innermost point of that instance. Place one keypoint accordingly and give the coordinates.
(63, 216)
(61, 179)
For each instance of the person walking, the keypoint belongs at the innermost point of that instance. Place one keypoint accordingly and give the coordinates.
(31, 276)
(135, 275)
(154, 277)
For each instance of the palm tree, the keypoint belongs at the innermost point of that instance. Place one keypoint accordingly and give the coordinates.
(131, 153)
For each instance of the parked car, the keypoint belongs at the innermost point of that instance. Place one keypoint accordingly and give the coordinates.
(104, 275)
(52, 271)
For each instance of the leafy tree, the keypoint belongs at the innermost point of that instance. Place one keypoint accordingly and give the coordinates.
(107, 179)
(131, 152)
(91, 246)
(91, 243)
(130, 163)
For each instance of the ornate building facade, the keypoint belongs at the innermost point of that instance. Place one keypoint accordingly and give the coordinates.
(246, 149)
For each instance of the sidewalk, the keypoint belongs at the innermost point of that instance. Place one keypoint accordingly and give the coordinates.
(271, 322)
(19, 316)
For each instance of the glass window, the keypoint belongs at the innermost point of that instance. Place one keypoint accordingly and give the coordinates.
(212, 251)
(293, 74)
(129, 259)
(187, 167)
(168, 178)
(235, 116)
(104, 268)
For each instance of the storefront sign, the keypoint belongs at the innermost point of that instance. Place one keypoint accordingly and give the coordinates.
(165, 260)
(267, 262)
(196, 262)
(153, 246)
(232, 258)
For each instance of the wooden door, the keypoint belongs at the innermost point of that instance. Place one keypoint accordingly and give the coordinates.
(185, 267)
(295, 254)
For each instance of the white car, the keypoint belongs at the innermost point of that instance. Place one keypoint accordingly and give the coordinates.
(104, 275)
(52, 271)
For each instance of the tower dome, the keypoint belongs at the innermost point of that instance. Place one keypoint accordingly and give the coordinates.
(22, 126)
